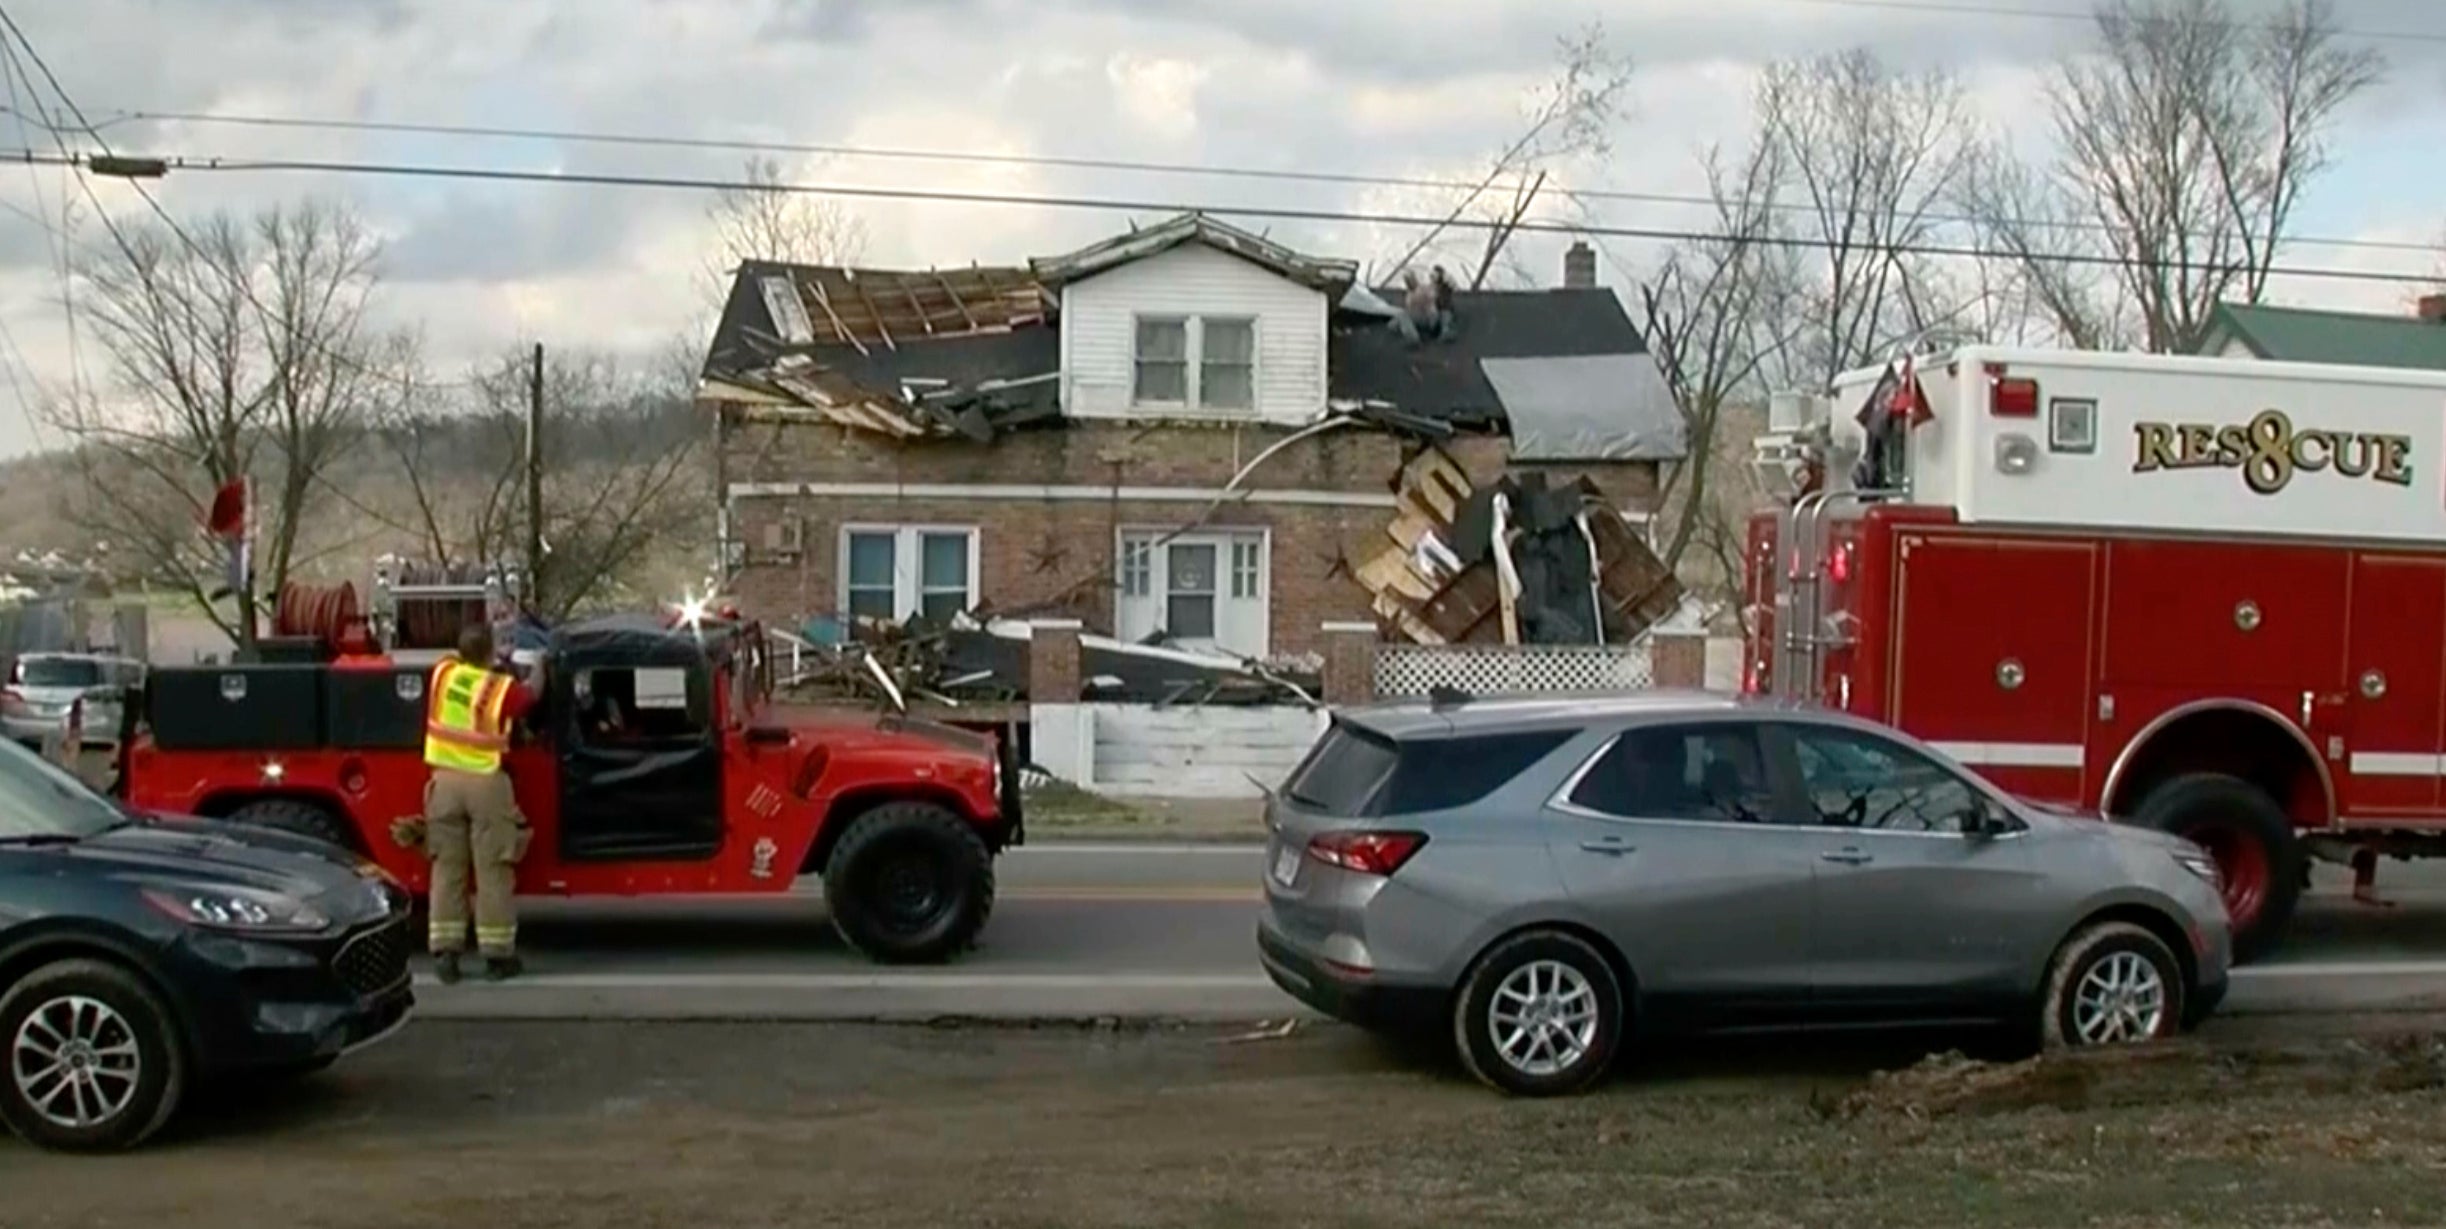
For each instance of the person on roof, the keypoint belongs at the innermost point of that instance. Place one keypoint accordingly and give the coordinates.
(472, 828)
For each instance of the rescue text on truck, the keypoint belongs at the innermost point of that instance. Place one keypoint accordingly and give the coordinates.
(2205, 595)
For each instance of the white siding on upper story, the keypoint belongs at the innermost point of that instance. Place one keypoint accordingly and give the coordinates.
(2235, 347)
(1099, 331)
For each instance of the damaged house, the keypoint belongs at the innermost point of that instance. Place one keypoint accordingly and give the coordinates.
(1188, 436)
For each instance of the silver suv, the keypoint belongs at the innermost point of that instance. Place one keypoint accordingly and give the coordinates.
(1548, 877)
(42, 687)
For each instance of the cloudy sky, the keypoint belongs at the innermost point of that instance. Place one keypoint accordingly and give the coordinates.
(1364, 87)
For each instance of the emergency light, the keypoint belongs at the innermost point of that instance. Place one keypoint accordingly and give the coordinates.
(2011, 396)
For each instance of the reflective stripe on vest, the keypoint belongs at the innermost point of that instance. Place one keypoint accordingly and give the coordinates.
(463, 727)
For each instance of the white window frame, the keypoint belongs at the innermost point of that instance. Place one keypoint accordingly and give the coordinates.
(907, 564)
(1193, 328)
(1158, 580)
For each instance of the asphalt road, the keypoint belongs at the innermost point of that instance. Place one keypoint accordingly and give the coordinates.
(1133, 930)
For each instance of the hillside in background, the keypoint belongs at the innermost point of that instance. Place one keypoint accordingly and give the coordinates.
(628, 495)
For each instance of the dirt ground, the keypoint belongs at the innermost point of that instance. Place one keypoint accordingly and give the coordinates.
(651, 1125)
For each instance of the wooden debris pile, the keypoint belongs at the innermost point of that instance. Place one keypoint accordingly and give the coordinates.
(1515, 561)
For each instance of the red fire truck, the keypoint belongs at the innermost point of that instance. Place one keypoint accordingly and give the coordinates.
(652, 766)
(2205, 595)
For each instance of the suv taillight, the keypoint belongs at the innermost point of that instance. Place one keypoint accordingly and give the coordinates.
(1369, 853)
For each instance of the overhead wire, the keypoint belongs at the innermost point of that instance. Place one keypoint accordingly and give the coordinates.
(1054, 161)
(202, 165)
(209, 260)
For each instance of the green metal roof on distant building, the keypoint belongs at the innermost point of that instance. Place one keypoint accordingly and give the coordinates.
(2309, 335)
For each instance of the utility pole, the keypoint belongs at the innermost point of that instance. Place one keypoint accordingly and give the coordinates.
(535, 483)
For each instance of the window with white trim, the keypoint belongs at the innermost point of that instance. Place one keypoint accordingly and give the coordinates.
(1205, 589)
(896, 572)
(1195, 362)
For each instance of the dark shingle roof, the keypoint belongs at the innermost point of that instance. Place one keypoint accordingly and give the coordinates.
(2307, 335)
(1442, 379)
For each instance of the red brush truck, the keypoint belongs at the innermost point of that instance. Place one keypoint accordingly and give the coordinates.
(652, 766)
(2204, 595)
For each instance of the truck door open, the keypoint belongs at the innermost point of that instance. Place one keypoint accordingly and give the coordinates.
(639, 745)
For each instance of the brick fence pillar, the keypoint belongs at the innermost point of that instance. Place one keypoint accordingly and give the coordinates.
(1679, 660)
(1350, 663)
(1053, 661)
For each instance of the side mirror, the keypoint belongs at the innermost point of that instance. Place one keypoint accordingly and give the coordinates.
(767, 735)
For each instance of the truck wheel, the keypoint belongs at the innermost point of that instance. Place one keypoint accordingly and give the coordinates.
(910, 883)
(2252, 840)
(2112, 984)
(91, 1061)
(299, 818)
(1539, 1015)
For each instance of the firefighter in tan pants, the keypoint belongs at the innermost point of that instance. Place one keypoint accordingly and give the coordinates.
(472, 825)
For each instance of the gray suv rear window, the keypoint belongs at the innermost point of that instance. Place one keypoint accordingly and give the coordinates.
(1343, 772)
(1358, 774)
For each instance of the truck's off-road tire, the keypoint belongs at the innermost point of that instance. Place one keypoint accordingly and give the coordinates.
(1541, 976)
(105, 1017)
(2111, 984)
(300, 818)
(910, 883)
(2252, 839)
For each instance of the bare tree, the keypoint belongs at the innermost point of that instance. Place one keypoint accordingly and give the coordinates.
(620, 447)
(763, 221)
(1868, 156)
(1720, 313)
(237, 350)
(2187, 135)
(1571, 119)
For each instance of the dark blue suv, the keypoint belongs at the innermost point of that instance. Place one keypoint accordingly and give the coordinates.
(138, 955)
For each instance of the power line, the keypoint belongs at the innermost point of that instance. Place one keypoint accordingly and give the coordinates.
(2085, 18)
(1113, 204)
(658, 141)
(210, 261)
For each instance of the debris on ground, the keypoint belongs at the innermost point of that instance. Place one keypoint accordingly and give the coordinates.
(1513, 561)
(976, 661)
(1951, 1084)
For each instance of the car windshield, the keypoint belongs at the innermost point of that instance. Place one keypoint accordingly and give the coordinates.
(38, 799)
(59, 672)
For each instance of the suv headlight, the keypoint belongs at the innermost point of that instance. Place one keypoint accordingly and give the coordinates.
(2202, 865)
(237, 909)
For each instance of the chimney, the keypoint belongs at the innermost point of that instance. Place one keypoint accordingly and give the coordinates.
(1580, 265)
(2432, 308)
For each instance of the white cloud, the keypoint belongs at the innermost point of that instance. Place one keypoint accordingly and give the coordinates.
(1348, 87)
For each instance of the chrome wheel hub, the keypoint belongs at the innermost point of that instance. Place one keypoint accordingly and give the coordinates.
(2121, 999)
(1543, 1018)
(76, 1062)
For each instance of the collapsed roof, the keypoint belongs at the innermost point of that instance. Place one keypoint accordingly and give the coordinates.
(977, 351)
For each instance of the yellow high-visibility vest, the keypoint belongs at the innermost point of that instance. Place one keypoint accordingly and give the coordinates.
(463, 727)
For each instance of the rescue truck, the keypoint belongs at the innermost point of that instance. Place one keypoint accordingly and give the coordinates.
(2203, 595)
(653, 765)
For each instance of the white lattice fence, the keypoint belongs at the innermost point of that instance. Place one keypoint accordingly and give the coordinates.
(1499, 669)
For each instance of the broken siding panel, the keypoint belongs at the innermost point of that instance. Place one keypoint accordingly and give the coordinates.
(1099, 330)
(1211, 752)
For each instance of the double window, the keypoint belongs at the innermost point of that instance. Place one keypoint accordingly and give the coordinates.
(1195, 362)
(899, 572)
(1719, 772)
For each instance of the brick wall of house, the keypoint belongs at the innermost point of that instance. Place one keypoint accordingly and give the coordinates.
(1054, 556)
